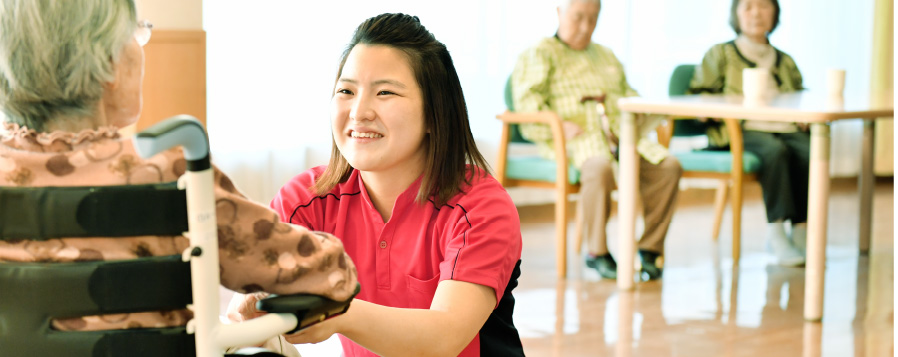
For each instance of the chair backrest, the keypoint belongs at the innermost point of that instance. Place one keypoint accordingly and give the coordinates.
(679, 85)
(33, 294)
(680, 78)
(515, 129)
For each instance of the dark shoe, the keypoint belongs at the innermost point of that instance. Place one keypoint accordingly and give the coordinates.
(652, 264)
(604, 264)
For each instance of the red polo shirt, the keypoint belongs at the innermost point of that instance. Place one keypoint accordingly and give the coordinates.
(475, 237)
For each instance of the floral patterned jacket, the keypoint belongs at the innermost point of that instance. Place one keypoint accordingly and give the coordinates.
(257, 251)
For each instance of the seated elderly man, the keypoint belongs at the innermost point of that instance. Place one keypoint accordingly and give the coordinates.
(555, 75)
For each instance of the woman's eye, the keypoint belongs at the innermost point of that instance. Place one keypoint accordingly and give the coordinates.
(344, 91)
(385, 92)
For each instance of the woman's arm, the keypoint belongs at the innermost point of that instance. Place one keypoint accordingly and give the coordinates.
(709, 75)
(458, 311)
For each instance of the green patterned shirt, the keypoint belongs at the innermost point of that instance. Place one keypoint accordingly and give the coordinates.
(552, 76)
(721, 71)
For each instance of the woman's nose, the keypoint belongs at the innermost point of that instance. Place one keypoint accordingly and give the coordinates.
(361, 110)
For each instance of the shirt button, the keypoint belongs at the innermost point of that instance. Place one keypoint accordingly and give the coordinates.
(383, 244)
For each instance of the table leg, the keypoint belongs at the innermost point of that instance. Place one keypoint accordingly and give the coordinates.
(818, 206)
(865, 185)
(627, 185)
(625, 305)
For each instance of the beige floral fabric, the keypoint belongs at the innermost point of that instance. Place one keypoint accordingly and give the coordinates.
(257, 251)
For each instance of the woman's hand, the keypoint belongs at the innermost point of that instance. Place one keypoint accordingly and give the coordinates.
(318, 332)
(243, 307)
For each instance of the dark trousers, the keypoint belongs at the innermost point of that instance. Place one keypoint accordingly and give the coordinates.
(785, 161)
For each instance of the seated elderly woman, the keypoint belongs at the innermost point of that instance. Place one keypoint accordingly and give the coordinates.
(784, 148)
(70, 78)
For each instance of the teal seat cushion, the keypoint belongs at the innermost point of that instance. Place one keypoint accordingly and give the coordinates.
(715, 161)
(537, 168)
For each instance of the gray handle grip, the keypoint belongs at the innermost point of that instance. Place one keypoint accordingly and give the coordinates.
(183, 130)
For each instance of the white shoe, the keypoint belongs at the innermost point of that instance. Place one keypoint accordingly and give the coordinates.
(782, 248)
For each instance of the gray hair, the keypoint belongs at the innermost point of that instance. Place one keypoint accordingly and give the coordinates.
(55, 56)
(563, 4)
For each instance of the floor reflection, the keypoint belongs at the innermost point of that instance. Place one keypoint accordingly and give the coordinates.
(705, 306)
(754, 309)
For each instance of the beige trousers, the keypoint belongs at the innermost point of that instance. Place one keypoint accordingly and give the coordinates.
(658, 187)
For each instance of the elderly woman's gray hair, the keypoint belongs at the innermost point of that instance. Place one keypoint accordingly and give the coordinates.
(56, 55)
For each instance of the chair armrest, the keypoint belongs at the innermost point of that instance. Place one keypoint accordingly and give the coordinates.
(545, 117)
(558, 140)
(309, 309)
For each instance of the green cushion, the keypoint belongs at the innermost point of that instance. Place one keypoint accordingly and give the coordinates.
(716, 161)
(537, 168)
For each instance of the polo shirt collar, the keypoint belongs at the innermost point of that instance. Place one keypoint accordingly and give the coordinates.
(403, 201)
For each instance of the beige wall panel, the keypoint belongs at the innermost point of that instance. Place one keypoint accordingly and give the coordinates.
(175, 78)
(172, 14)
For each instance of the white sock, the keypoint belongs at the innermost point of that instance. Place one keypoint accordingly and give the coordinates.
(782, 248)
(776, 231)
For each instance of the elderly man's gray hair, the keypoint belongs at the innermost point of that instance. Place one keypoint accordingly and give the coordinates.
(563, 4)
(56, 55)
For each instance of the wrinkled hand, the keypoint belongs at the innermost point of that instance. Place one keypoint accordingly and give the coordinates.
(243, 307)
(571, 129)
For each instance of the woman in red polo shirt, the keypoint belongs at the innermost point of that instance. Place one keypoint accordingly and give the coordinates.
(436, 240)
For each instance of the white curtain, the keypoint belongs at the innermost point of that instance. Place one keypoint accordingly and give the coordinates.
(271, 64)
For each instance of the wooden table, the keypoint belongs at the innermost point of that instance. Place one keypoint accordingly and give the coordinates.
(815, 108)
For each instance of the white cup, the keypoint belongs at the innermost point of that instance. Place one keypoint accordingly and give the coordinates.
(754, 84)
(835, 81)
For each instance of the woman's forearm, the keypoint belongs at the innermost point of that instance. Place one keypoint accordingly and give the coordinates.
(389, 331)
(456, 314)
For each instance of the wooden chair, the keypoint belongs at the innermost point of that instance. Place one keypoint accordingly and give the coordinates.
(731, 168)
(535, 171)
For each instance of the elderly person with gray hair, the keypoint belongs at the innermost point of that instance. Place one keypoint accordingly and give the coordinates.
(555, 75)
(70, 78)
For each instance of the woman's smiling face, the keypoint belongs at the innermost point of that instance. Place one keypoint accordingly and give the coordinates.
(377, 112)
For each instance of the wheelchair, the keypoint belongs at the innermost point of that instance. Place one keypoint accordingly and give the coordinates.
(33, 294)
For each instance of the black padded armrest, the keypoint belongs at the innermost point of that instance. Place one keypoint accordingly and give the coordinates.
(309, 309)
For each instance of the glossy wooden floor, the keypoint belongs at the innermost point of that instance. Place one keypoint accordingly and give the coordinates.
(704, 306)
